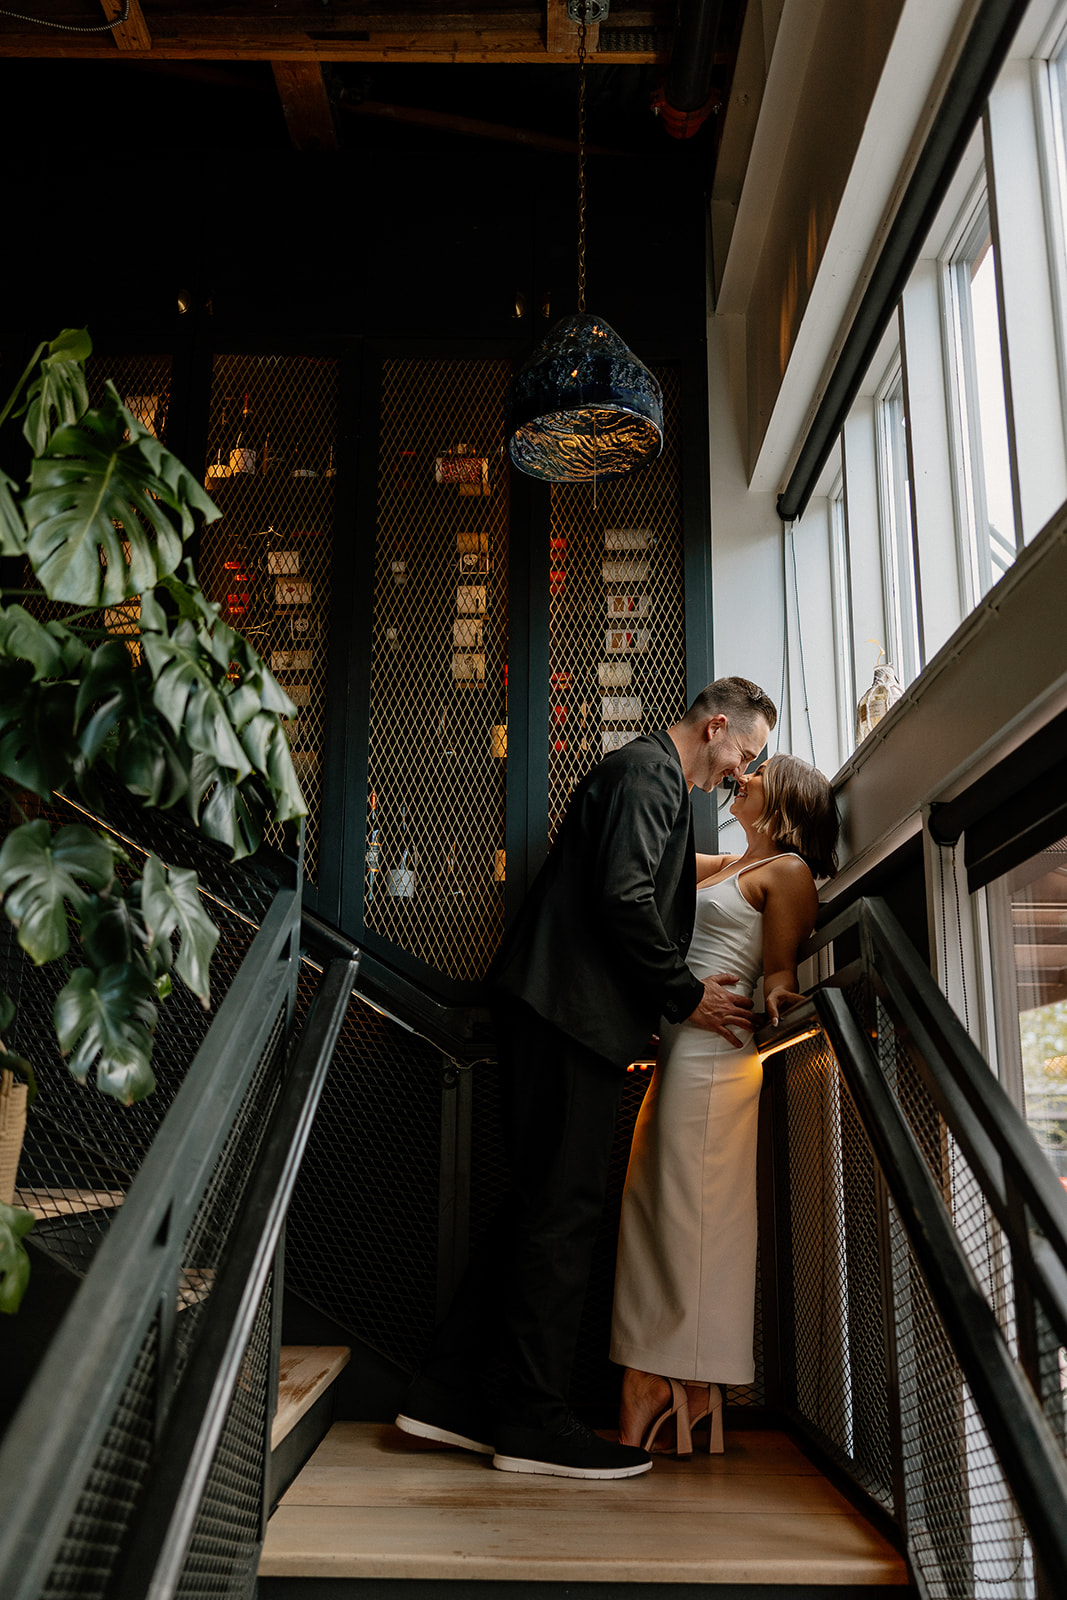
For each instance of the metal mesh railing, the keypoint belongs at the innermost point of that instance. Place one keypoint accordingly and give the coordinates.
(86, 1560)
(877, 1379)
(271, 469)
(223, 1551)
(617, 611)
(95, 1539)
(838, 1353)
(435, 866)
(363, 1230)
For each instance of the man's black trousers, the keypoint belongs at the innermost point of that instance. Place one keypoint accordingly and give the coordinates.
(515, 1318)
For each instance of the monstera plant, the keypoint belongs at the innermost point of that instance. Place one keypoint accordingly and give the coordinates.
(180, 712)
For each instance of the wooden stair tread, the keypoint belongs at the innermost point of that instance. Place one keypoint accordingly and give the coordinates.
(305, 1372)
(371, 1503)
(45, 1203)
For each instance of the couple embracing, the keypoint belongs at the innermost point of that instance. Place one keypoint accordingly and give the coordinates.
(627, 932)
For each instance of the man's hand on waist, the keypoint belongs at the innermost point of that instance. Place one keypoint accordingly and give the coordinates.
(720, 1010)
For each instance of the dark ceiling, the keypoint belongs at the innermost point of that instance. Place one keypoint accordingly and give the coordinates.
(314, 164)
(265, 74)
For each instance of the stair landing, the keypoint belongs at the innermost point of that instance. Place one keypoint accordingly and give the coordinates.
(374, 1503)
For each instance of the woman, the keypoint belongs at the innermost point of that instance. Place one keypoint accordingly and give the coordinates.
(686, 1275)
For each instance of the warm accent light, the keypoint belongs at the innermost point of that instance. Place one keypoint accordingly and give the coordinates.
(768, 1050)
(583, 407)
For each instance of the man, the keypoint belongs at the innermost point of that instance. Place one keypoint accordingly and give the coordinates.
(593, 960)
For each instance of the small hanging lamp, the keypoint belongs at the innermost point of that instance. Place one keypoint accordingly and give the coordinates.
(583, 407)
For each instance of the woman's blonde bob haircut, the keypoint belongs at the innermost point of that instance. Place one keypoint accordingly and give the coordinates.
(800, 812)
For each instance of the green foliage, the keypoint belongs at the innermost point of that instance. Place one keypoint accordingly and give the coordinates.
(185, 714)
(14, 1262)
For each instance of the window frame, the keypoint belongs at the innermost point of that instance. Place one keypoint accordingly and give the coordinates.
(958, 257)
(896, 516)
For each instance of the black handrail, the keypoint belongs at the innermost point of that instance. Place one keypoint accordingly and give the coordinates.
(463, 1031)
(1016, 1424)
(168, 1507)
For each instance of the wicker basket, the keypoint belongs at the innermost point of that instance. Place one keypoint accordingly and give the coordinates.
(12, 1128)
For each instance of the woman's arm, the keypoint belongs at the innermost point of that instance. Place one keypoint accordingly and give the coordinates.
(708, 866)
(788, 917)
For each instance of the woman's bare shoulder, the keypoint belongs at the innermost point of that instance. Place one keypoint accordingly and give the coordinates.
(711, 867)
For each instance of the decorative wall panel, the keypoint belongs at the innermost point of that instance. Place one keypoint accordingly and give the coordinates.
(434, 881)
(271, 470)
(617, 611)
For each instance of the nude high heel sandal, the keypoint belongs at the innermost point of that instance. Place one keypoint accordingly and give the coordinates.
(679, 1409)
(712, 1408)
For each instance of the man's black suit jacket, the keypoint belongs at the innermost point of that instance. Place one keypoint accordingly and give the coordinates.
(598, 945)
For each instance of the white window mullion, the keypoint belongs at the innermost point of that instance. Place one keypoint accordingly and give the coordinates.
(936, 511)
(1028, 323)
(865, 560)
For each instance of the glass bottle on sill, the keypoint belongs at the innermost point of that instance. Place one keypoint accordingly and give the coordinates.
(242, 452)
(400, 880)
(884, 692)
(374, 846)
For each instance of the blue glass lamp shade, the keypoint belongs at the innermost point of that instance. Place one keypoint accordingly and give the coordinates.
(583, 406)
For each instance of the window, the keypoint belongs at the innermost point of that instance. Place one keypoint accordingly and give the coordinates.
(840, 594)
(1057, 69)
(1028, 910)
(897, 524)
(985, 453)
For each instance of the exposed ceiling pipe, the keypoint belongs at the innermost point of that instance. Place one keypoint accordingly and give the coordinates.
(686, 97)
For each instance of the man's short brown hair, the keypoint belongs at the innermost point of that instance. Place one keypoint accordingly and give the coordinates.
(738, 698)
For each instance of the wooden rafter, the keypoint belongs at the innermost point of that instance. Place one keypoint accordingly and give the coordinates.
(308, 116)
(132, 34)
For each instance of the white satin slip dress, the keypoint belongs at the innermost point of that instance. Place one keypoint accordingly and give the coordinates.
(685, 1280)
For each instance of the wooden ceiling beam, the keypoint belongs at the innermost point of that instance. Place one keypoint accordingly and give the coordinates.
(303, 30)
(472, 50)
(308, 114)
(133, 34)
(562, 35)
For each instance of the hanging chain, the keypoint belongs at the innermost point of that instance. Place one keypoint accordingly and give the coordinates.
(581, 163)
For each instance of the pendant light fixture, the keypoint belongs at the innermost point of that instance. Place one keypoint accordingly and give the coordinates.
(583, 407)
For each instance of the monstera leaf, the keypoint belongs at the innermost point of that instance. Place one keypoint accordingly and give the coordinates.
(264, 739)
(39, 876)
(14, 1262)
(151, 763)
(187, 688)
(108, 1017)
(49, 647)
(103, 487)
(59, 389)
(12, 527)
(38, 750)
(171, 903)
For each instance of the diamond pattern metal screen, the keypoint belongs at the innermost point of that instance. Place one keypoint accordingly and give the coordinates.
(223, 1552)
(617, 611)
(831, 1256)
(965, 1533)
(362, 1236)
(271, 470)
(435, 867)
